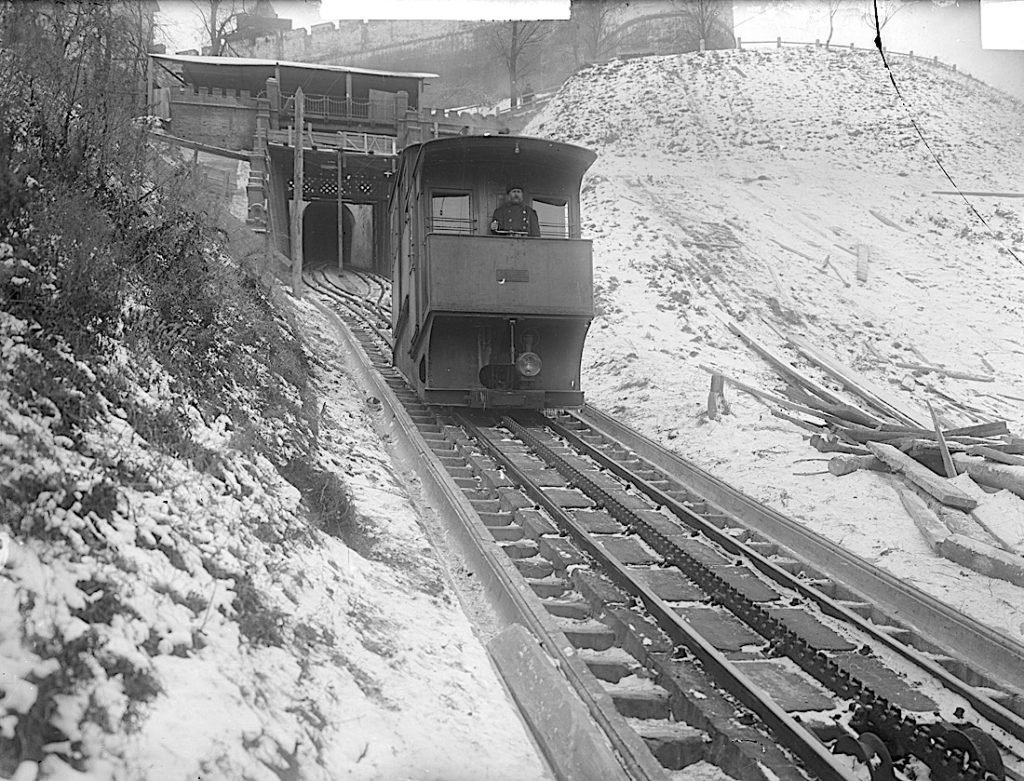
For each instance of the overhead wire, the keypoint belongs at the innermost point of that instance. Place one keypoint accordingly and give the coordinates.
(924, 140)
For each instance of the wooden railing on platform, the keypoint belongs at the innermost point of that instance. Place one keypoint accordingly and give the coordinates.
(348, 141)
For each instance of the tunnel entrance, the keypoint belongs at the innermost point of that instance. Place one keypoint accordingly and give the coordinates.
(320, 234)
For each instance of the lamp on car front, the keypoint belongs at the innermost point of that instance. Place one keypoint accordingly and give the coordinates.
(528, 364)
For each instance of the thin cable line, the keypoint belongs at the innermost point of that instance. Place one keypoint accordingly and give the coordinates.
(920, 133)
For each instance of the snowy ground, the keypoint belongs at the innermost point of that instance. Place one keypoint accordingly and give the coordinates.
(203, 627)
(813, 150)
(208, 630)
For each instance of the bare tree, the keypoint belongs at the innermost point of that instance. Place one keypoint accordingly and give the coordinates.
(832, 6)
(878, 13)
(517, 43)
(705, 18)
(220, 19)
(593, 37)
(75, 74)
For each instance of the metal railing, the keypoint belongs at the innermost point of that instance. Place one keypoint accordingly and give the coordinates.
(460, 225)
(327, 107)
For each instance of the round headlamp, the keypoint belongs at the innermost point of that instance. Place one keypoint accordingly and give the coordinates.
(528, 364)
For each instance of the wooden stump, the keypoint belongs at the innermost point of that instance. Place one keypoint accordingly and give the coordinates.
(716, 397)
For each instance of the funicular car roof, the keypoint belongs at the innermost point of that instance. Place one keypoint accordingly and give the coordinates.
(501, 151)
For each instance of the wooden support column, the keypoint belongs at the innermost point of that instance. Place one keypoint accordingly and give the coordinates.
(341, 203)
(298, 204)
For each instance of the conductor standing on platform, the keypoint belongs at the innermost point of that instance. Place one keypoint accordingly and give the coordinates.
(515, 217)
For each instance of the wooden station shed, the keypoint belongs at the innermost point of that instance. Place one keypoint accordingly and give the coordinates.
(336, 129)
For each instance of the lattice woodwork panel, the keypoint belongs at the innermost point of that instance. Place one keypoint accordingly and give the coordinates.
(360, 186)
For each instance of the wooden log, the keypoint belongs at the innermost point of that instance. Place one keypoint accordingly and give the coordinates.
(1005, 447)
(823, 445)
(980, 193)
(885, 220)
(995, 455)
(780, 365)
(765, 396)
(864, 434)
(784, 298)
(927, 522)
(804, 424)
(863, 259)
(928, 447)
(957, 521)
(845, 464)
(861, 435)
(836, 271)
(855, 383)
(995, 429)
(840, 410)
(947, 461)
(1006, 476)
(984, 558)
(972, 412)
(795, 251)
(920, 367)
(936, 486)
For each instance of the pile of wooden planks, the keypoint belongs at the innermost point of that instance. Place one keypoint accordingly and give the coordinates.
(883, 433)
(963, 487)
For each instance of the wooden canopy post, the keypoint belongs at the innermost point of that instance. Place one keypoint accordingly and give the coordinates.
(298, 204)
(341, 202)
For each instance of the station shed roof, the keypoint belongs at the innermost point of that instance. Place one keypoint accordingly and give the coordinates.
(243, 73)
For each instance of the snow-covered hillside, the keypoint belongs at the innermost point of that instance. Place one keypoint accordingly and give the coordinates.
(723, 183)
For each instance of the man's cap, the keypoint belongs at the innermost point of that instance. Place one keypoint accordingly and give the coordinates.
(513, 186)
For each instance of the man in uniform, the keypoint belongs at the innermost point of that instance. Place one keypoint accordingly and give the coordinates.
(515, 216)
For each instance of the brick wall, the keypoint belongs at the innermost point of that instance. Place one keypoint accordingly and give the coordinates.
(220, 118)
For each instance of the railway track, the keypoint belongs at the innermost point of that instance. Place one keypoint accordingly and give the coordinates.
(694, 624)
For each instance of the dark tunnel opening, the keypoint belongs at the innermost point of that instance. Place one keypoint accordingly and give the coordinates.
(320, 233)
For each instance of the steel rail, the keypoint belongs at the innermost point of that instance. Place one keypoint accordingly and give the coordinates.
(363, 312)
(984, 705)
(932, 744)
(803, 743)
(382, 285)
(512, 600)
(997, 655)
(364, 303)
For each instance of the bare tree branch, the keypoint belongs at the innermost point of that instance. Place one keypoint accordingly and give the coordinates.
(517, 43)
(219, 20)
(705, 18)
(593, 37)
(886, 10)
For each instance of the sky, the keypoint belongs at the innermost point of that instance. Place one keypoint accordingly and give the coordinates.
(1002, 24)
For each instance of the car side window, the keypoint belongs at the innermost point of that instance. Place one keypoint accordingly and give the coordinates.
(553, 216)
(451, 212)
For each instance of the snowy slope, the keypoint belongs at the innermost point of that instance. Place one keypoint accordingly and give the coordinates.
(724, 181)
